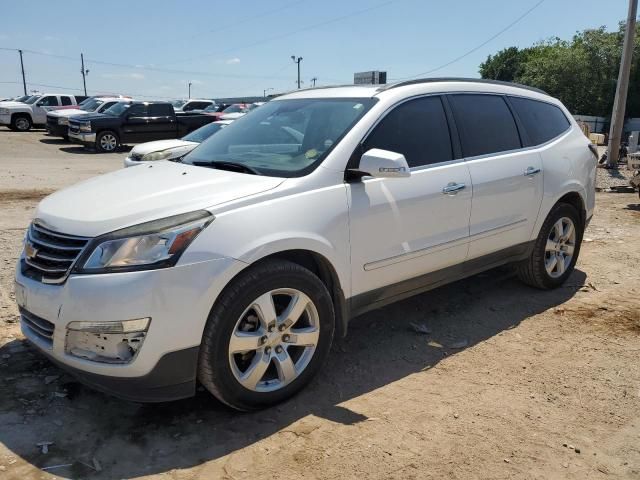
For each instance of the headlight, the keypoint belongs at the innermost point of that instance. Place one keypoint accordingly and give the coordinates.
(156, 156)
(63, 121)
(4, 111)
(85, 127)
(148, 246)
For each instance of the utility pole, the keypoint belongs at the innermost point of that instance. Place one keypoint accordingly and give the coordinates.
(264, 92)
(189, 90)
(24, 82)
(619, 104)
(84, 74)
(314, 80)
(297, 60)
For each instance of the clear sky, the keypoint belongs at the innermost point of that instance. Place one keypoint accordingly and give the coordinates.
(235, 48)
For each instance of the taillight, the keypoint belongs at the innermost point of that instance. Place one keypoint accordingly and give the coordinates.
(594, 150)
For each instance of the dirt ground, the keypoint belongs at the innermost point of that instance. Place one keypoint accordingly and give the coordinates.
(510, 383)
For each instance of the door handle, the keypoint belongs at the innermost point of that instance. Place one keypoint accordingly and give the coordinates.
(530, 171)
(453, 188)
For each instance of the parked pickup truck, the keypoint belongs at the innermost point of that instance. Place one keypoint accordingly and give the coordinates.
(58, 120)
(133, 123)
(23, 116)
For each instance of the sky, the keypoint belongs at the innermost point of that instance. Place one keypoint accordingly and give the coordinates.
(153, 49)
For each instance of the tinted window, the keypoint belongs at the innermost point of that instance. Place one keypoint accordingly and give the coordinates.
(542, 121)
(137, 110)
(161, 110)
(107, 105)
(418, 129)
(485, 124)
(50, 101)
(66, 100)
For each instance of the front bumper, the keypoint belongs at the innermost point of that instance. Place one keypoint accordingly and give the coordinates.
(87, 139)
(57, 130)
(5, 119)
(178, 301)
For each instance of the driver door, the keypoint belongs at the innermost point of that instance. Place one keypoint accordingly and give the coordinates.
(405, 228)
(41, 108)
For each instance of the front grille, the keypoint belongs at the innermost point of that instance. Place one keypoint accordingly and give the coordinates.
(48, 255)
(74, 127)
(41, 328)
(52, 121)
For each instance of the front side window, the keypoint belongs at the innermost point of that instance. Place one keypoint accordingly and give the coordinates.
(418, 129)
(50, 101)
(284, 138)
(485, 124)
(117, 109)
(137, 110)
(541, 120)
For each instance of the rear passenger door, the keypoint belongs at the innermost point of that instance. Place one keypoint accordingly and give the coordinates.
(403, 228)
(162, 121)
(506, 178)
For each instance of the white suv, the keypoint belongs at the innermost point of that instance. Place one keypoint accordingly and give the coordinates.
(237, 266)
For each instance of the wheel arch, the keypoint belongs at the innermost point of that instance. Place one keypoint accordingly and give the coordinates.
(573, 194)
(322, 267)
(22, 114)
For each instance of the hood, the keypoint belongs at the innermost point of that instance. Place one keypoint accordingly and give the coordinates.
(159, 146)
(68, 113)
(14, 105)
(95, 116)
(148, 192)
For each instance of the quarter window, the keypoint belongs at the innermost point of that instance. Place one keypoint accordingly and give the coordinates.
(485, 124)
(541, 120)
(418, 129)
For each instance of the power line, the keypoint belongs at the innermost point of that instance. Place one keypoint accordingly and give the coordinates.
(476, 48)
(288, 34)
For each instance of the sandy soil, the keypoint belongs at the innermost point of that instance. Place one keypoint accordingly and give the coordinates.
(511, 382)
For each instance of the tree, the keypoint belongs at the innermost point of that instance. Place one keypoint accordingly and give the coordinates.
(582, 72)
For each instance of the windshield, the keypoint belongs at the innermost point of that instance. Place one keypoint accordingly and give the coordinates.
(116, 109)
(178, 103)
(235, 109)
(213, 108)
(202, 133)
(32, 100)
(24, 98)
(284, 138)
(91, 105)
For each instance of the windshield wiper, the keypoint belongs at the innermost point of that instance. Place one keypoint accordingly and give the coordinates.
(224, 165)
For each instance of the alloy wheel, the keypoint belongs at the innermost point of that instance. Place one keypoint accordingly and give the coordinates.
(274, 340)
(22, 124)
(108, 142)
(560, 247)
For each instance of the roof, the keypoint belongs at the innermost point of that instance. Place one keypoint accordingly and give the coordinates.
(366, 91)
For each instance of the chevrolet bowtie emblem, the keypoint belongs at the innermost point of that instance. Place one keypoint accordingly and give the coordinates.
(29, 250)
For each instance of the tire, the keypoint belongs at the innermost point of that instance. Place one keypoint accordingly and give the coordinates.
(107, 142)
(535, 270)
(236, 311)
(21, 123)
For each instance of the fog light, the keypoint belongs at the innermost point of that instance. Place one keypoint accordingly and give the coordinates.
(106, 342)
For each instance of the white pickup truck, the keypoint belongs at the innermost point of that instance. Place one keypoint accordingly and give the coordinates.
(22, 116)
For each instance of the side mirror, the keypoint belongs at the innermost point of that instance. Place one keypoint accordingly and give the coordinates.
(383, 164)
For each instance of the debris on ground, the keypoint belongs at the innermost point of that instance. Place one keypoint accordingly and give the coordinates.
(420, 328)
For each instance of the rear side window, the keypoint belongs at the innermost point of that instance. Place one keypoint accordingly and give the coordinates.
(161, 110)
(541, 120)
(485, 124)
(66, 100)
(418, 129)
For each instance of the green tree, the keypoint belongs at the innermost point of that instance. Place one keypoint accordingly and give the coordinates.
(582, 72)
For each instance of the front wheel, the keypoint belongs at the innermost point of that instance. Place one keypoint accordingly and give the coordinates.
(21, 123)
(556, 249)
(106, 142)
(267, 335)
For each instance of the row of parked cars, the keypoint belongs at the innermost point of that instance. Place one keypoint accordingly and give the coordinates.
(103, 123)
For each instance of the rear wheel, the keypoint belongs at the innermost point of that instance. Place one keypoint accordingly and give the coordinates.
(267, 336)
(106, 141)
(21, 123)
(556, 249)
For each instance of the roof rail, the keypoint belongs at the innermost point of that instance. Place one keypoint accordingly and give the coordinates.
(459, 79)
